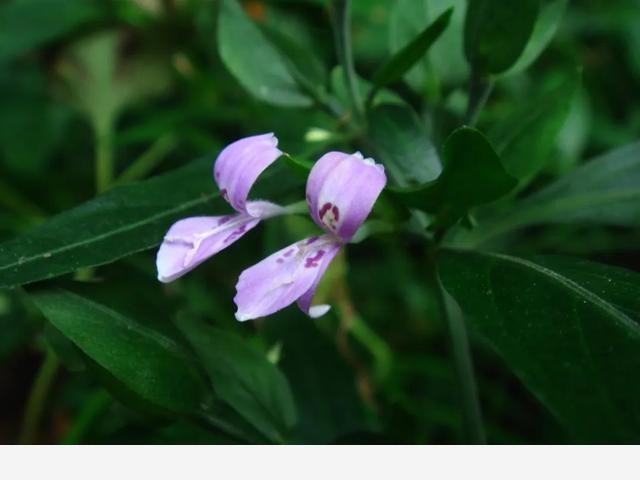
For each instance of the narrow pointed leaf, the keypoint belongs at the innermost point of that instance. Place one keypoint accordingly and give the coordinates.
(261, 70)
(402, 61)
(444, 62)
(496, 32)
(603, 191)
(568, 328)
(243, 377)
(400, 142)
(125, 220)
(473, 175)
(525, 139)
(324, 390)
(551, 12)
(146, 361)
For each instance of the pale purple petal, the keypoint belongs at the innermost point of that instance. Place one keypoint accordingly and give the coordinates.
(282, 278)
(304, 302)
(239, 165)
(190, 241)
(263, 209)
(341, 191)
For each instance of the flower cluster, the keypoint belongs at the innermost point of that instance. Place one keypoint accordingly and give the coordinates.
(341, 191)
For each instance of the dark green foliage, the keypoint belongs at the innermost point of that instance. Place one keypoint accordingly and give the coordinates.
(496, 32)
(473, 175)
(565, 326)
(508, 132)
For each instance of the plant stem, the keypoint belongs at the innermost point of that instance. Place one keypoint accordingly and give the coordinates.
(461, 351)
(479, 90)
(149, 159)
(37, 398)
(104, 156)
(92, 409)
(342, 29)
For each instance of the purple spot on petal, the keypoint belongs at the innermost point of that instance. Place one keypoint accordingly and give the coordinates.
(280, 260)
(236, 233)
(329, 215)
(312, 262)
(289, 252)
(325, 208)
(224, 219)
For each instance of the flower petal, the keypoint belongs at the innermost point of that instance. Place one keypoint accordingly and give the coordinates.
(239, 165)
(304, 302)
(341, 191)
(190, 241)
(282, 278)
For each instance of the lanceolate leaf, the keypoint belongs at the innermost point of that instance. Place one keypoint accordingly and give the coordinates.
(551, 12)
(472, 175)
(496, 32)
(260, 69)
(445, 60)
(568, 328)
(121, 222)
(605, 191)
(243, 377)
(399, 140)
(403, 60)
(525, 140)
(305, 67)
(325, 389)
(147, 362)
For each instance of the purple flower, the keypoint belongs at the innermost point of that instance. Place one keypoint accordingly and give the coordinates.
(341, 191)
(191, 241)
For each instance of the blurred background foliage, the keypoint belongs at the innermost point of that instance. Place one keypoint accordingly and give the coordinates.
(97, 93)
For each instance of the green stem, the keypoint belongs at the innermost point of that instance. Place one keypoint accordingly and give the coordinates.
(104, 157)
(461, 351)
(91, 410)
(38, 397)
(150, 159)
(376, 346)
(479, 90)
(342, 28)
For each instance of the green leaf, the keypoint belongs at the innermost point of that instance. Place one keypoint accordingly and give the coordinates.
(400, 141)
(526, 138)
(324, 389)
(473, 175)
(243, 377)
(147, 362)
(260, 69)
(28, 24)
(496, 32)
(339, 90)
(444, 62)
(403, 60)
(125, 220)
(603, 191)
(551, 12)
(305, 67)
(568, 328)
